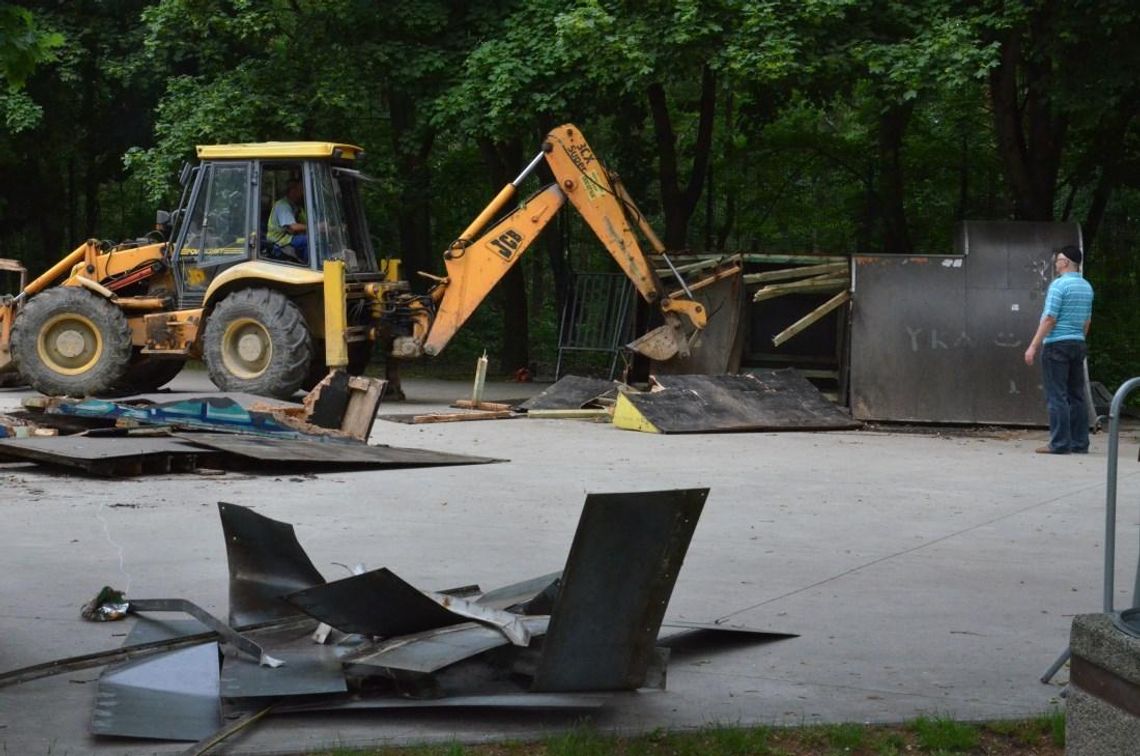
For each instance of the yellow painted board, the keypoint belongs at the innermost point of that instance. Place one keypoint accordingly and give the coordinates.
(627, 417)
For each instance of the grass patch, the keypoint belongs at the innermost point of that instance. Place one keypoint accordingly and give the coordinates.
(944, 735)
(1039, 736)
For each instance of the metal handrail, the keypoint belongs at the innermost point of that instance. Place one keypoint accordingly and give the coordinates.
(1110, 496)
(1114, 412)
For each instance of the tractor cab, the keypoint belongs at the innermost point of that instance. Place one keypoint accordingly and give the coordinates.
(229, 200)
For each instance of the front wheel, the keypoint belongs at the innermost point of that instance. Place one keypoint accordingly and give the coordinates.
(68, 341)
(256, 341)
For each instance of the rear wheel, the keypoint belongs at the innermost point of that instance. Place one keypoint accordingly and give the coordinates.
(256, 341)
(147, 373)
(68, 341)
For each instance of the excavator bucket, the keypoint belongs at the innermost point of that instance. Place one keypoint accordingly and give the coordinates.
(660, 344)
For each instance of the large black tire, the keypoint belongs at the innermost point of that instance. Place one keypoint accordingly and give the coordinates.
(147, 373)
(256, 341)
(68, 341)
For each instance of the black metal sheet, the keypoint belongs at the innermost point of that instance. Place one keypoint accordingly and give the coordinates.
(941, 339)
(721, 343)
(571, 392)
(620, 573)
(172, 696)
(266, 562)
(106, 456)
(432, 650)
(376, 603)
(293, 452)
(764, 400)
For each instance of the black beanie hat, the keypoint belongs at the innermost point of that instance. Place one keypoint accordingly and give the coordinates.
(1072, 252)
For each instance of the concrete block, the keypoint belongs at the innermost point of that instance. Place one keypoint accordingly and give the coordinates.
(1102, 715)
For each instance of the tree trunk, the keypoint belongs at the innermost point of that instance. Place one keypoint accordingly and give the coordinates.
(1030, 135)
(892, 127)
(413, 215)
(504, 161)
(678, 204)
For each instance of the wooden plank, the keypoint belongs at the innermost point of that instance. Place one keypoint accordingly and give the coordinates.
(485, 406)
(810, 286)
(804, 259)
(364, 396)
(568, 414)
(786, 274)
(458, 417)
(811, 317)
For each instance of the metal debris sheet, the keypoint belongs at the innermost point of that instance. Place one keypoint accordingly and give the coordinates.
(173, 696)
(374, 603)
(437, 648)
(571, 392)
(266, 562)
(294, 452)
(768, 400)
(109, 456)
(623, 563)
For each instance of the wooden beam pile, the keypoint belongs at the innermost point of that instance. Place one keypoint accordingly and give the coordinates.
(824, 278)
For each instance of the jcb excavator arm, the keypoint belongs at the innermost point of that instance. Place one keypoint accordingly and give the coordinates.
(475, 265)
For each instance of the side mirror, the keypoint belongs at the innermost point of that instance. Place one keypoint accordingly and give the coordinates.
(184, 174)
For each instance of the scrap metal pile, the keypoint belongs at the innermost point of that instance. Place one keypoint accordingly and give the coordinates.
(296, 642)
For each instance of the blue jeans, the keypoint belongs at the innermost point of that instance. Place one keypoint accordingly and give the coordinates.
(300, 245)
(1063, 366)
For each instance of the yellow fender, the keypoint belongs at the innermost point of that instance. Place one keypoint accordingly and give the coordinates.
(259, 271)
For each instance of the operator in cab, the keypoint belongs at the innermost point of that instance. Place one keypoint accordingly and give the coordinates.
(287, 229)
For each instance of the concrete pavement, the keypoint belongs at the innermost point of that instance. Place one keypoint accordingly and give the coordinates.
(925, 573)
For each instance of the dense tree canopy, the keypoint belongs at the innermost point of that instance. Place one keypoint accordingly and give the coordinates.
(837, 126)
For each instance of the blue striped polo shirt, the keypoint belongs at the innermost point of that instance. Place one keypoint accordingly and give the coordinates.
(1069, 300)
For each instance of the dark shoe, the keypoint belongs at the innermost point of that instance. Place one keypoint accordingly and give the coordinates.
(1049, 450)
(1079, 451)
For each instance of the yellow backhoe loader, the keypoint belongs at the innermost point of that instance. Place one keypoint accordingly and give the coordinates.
(272, 305)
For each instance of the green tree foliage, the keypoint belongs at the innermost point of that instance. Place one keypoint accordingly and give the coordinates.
(24, 43)
(772, 125)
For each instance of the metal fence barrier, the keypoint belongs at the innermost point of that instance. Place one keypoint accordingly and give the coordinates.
(596, 317)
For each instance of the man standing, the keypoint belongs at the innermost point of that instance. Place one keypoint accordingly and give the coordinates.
(286, 227)
(1064, 326)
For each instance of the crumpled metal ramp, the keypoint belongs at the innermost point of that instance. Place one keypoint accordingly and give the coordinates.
(518, 596)
(308, 669)
(173, 696)
(615, 588)
(766, 400)
(266, 562)
(432, 650)
(377, 603)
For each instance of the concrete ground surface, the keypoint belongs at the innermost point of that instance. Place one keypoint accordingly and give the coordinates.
(926, 573)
